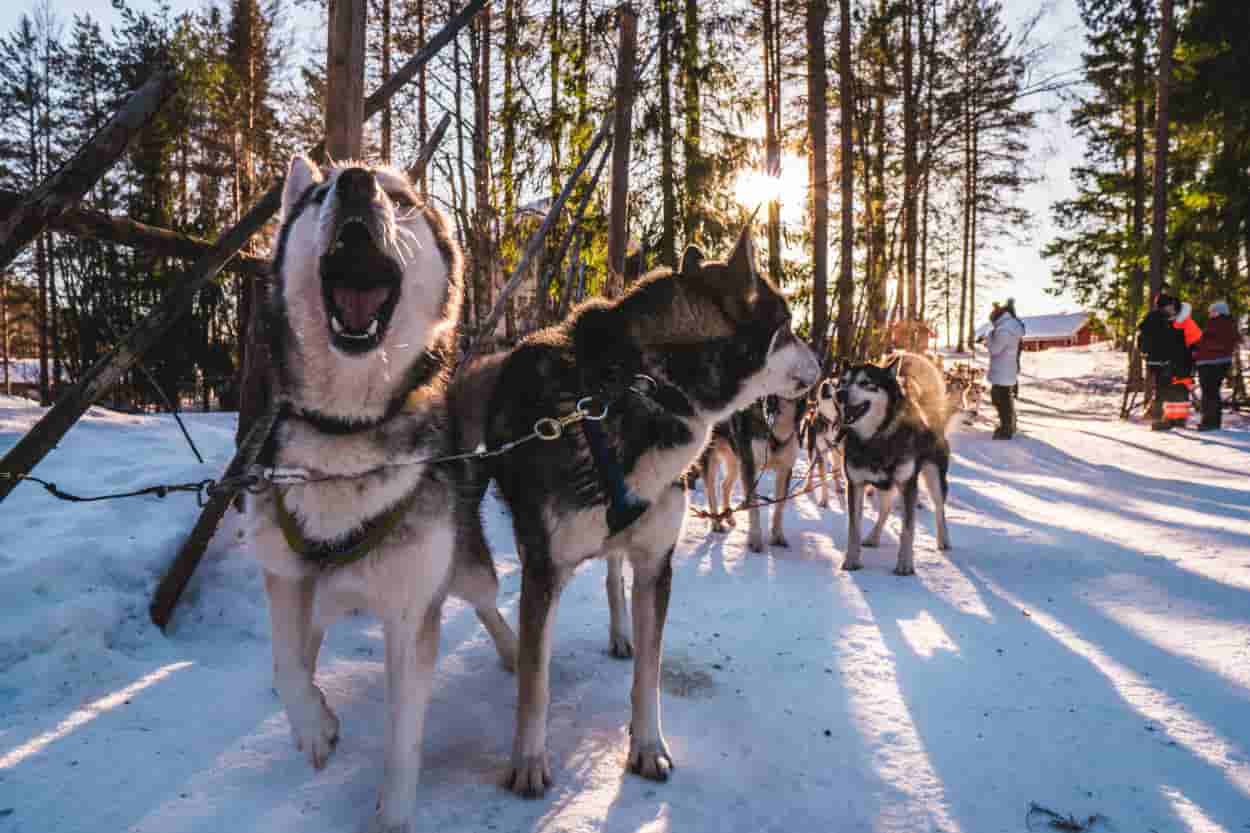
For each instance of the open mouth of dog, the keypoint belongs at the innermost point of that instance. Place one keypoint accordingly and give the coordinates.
(852, 413)
(360, 284)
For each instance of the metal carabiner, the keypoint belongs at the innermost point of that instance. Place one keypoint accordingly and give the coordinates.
(583, 409)
(548, 429)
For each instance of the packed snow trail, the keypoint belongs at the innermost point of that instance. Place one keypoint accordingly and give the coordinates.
(1086, 645)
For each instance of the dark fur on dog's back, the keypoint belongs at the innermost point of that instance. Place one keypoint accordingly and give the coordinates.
(551, 370)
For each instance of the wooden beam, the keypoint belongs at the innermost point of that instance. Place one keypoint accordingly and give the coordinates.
(345, 79)
(579, 213)
(192, 550)
(427, 152)
(536, 242)
(618, 231)
(110, 228)
(64, 188)
(46, 433)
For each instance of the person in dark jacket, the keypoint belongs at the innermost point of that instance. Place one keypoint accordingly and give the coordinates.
(1213, 354)
(1167, 357)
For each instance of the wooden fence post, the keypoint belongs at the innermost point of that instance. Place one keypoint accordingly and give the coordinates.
(618, 229)
(96, 225)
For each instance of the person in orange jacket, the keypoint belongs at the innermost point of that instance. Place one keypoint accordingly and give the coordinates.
(1184, 375)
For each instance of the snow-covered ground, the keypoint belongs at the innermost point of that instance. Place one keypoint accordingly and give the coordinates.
(1085, 646)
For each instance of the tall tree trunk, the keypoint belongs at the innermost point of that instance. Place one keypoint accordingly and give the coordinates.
(926, 72)
(483, 256)
(966, 226)
(386, 74)
(4, 334)
(692, 138)
(557, 122)
(479, 308)
(877, 305)
(818, 126)
(668, 184)
(972, 233)
(622, 129)
(1159, 228)
(772, 128)
(909, 170)
(508, 243)
(423, 117)
(846, 284)
(1137, 282)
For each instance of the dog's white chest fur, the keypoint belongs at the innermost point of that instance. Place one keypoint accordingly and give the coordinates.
(903, 472)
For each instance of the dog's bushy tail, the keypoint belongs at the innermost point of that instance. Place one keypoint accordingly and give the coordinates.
(925, 385)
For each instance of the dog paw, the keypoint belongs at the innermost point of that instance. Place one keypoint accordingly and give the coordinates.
(650, 760)
(720, 528)
(904, 570)
(619, 646)
(530, 777)
(850, 565)
(317, 734)
(780, 541)
(755, 544)
(823, 504)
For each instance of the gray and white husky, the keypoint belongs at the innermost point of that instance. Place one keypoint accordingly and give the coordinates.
(894, 418)
(761, 438)
(362, 321)
(710, 339)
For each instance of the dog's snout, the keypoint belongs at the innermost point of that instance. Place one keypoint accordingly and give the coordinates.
(356, 185)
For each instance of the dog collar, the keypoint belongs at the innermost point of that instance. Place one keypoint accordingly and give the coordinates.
(347, 550)
(423, 372)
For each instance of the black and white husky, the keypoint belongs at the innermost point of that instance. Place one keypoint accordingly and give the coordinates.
(362, 321)
(894, 418)
(710, 339)
(820, 434)
(761, 438)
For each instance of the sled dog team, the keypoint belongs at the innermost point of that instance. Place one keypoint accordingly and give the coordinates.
(362, 320)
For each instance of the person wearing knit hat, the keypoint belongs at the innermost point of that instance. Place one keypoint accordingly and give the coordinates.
(1213, 354)
(1003, 342)
(1163, 347)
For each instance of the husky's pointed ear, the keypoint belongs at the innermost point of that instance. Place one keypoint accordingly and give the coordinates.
(692, 260)
(742, 259)
(301, 174)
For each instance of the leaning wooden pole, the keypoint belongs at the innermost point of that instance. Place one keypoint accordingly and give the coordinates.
(618, 230)
(62, 191)
(427, 151)
(46, 433)
(192, 550)
(536, 240)
(579, 214)
(110, 228)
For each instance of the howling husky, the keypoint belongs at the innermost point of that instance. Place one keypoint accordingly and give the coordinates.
(894, 418)
(707, 340)
(362, 321)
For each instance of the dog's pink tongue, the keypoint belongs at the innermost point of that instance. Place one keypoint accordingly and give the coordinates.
(359, 306)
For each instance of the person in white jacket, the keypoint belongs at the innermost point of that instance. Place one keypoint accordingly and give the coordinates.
(1003, 343)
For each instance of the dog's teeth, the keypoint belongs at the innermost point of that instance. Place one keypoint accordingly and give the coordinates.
(373, 328)
(336, 325)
